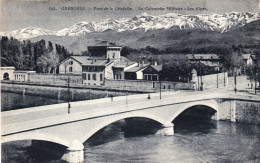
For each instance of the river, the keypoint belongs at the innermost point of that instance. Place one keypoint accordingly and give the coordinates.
(194, 141)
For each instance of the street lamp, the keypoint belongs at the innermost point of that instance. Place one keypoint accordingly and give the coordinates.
(126, 96)
(160, 85)
(201, 84)
(224, 76)
(255, 81)
(235, 79)
(256, 75)
(68, 92)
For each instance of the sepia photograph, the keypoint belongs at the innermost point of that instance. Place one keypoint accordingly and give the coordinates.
(130, 81)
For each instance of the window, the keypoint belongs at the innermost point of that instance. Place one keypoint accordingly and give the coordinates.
(70, 62)
(70, 69)
(94, 76)
(113, 55)
(89, 77)
(101, 77)
(84, 76)
(119, 76)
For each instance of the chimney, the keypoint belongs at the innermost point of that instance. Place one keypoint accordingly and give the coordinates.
(155, 63)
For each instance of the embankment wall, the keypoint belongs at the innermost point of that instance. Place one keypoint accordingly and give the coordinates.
(239, 111)
(76, 93)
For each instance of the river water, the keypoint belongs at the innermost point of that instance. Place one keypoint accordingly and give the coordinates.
(133, 140)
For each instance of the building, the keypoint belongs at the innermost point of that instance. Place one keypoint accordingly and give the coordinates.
(212, 60)
(101, 64)
(136, 72)
(152, 72)
(7, 73)
(107, 51)
(120, 67)
(106, 63)
(73, 64)
(95, 71)
(247, 60)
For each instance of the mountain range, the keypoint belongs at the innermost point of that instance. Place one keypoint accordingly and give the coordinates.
(207, 22)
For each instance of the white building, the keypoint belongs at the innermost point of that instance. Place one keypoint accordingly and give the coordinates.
(7, 73)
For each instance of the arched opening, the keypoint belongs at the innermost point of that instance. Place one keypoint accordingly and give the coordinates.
(31, 151)
(124, 128)
(6, 76)
(198, 118)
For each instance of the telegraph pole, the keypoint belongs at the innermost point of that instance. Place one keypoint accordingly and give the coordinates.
(255, 82)
(200, 76)
(160, 87)
(235, 80)
(224, 77)
(68, 95)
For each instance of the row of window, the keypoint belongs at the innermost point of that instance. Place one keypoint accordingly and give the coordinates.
(92, 68)
(92, 77)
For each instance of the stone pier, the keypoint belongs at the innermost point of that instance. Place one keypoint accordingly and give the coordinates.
(74, 153)
(167, 130)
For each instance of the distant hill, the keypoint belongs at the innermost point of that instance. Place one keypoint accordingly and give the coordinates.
(170, 31)
(247, 36)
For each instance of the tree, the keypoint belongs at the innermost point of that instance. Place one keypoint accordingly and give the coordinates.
(232, 60)
(50, 46)
(49, 61)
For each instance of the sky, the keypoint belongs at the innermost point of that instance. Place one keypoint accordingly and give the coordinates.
(18, 14)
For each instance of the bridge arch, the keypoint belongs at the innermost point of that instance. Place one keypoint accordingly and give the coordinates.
(109, 121)
(211, 104)
(36, 136)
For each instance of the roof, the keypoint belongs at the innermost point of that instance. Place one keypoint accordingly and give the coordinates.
(96, 62)
(193, 71)
(91, 61)
(137, 68)
(246, 56)
(202, 56)
(80, 59)
(124, 62)
(157, 67)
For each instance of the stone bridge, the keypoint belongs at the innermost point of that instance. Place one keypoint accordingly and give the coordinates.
(53, 123)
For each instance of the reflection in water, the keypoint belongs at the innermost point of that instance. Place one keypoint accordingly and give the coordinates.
(134, 140)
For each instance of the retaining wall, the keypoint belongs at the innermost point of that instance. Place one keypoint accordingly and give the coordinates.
(149, 85)
(214, 80)
(55, 78)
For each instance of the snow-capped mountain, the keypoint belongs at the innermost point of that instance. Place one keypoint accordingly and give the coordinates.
(209, 22)
(27, 33)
